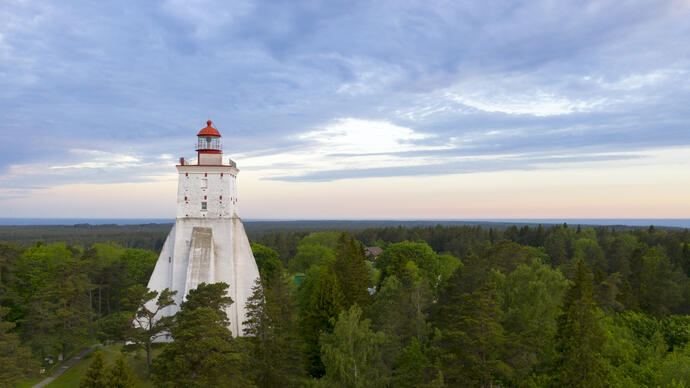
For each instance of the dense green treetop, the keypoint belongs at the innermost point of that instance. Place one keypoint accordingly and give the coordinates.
(266, 260)
(454, 306)
(352, 352)
(394, 258)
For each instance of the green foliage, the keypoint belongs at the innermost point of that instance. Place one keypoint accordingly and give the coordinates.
(95, 376)
(203, 352)
(580, 338)
(500, 317)
(588, 250)
(558, 245)
(212, 296)
(325, 239)
(9, 255)
(399, 312)
(37, 267)
(617, 250)
(395, 257)
(468, 314)
(120, 375)
(316, 248)
(351, 270)
(70, 294)
(676, 330)
(506, 255)
(267, 261)
(146, 327)
(448, 265)
(311, 254)
(352, 352)
(272, 327)
(321, 300)
(415, 369)
(531, 296)
(660, 287)
(138, 264)
(674, 370)
(16, 362)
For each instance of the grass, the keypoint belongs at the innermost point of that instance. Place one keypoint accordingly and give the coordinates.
(30, 383)
(137, 361)
(49, 369)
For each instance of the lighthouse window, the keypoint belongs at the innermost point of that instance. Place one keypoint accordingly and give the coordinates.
(204, 183)
(203, 206)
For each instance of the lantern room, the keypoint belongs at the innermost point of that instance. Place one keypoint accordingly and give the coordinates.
(208, 146)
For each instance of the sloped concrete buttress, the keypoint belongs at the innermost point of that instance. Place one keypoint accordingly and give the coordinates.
(207, 250)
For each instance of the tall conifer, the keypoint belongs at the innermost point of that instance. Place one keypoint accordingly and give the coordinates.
(272, 327)
(325, 300)
(352, 271)
(580, 337)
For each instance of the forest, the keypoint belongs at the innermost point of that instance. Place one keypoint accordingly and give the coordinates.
(436, 306)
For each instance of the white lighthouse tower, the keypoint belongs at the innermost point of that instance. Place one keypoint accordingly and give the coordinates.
(208, 242)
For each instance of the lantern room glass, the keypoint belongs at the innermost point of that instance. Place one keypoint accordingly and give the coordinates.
(208, 143)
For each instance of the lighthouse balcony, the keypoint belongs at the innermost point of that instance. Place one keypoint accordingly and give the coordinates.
(184, 162)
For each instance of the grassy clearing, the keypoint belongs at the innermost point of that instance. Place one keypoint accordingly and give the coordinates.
(137, 361)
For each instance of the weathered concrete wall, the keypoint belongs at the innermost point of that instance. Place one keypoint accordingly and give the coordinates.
(201, 266)
(207, 250)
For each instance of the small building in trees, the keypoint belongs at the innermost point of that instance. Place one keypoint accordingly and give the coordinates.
(373, 252)
(208, 243)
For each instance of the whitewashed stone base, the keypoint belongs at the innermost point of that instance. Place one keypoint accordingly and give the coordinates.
(207, 250)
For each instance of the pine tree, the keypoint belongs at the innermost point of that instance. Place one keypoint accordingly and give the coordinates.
(95, 376)
(203, 352)
(273, 330)
(322, 300)
(120, 375)
(352, 271)
(149, 326)
(580, 337)
(414, 368)
(468, 314)
(399, 310)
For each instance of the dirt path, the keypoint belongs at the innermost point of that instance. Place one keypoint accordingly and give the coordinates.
(68, 364)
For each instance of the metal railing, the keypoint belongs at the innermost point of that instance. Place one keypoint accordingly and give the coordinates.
(189, 163)
(200, 147)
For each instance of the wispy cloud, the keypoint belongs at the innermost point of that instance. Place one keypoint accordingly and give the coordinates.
(322, 91)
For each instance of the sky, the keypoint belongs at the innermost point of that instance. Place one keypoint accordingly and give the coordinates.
(349, 109)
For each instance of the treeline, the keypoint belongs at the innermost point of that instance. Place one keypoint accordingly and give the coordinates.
(145, 236)
(152, 236)
(440, 306)
(57, 297)
(470, 306)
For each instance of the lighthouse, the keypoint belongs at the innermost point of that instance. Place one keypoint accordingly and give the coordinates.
(208, 243)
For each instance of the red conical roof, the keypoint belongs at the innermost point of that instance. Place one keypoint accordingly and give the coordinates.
(209, 130)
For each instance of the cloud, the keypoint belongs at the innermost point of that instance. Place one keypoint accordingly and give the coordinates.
(305, 90)
(347, 142)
